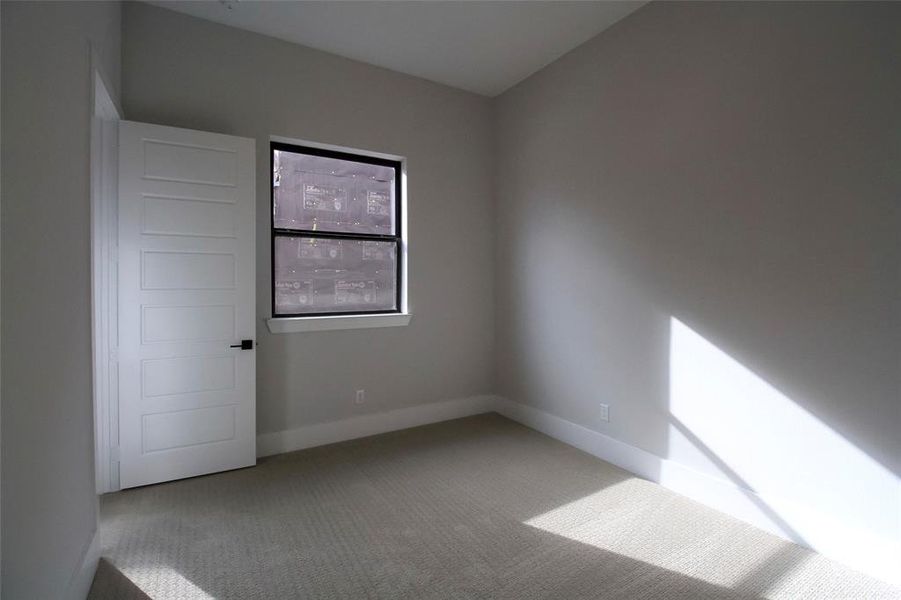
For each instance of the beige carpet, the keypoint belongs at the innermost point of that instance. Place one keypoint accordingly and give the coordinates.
(474, 508)
(110, 583)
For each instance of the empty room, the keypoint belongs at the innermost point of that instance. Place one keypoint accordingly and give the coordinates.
(450, 300)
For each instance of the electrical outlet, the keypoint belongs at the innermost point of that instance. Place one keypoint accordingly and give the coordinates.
(361, 397)
(605, 412)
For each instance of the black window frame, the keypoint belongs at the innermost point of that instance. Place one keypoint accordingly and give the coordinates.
(396, 238)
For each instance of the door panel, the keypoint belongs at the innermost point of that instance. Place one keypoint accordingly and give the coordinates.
(198, 323)
(181, 429)
(186, 294)
(187, 216)
(188, 270)
(189, 163)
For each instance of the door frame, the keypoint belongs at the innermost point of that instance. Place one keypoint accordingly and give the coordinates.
(105, 116)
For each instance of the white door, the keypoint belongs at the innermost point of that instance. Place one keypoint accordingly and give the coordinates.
(186, 297)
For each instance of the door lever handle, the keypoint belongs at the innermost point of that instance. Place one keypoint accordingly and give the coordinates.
(244, 345)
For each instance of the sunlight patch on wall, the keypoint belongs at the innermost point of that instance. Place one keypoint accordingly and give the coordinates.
(808, 480)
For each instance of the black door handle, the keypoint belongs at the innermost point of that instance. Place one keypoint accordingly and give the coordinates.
(244, 345)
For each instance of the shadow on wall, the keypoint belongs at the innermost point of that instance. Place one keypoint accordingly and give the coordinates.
(810, 483)
(582, 329)
(674, 165)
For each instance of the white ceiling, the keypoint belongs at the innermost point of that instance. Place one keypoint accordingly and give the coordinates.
(484, 47)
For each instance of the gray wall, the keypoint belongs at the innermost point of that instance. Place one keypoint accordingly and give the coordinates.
(49, 504)
(732, 165)
(185, 72)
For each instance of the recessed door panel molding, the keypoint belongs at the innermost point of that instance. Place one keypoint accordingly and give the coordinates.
(200, 323)
(187, 270)
(179, 190)
(183, 216)
(186, 428)
(187, 375)
(189, 163)
(186, 296)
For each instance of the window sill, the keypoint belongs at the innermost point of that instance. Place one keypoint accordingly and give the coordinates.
(300, 324)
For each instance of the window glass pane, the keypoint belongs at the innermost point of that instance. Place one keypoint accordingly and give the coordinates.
(317, 275)
(330, 194)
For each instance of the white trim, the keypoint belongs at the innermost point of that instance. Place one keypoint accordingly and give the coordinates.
(635, 460)
(104, 183)
(406, 308)
(366, 425)
(827, 534)
(334, 147)
(83, 575)
(297, 324)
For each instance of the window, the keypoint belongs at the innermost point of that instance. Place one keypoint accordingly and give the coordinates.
(336, 233)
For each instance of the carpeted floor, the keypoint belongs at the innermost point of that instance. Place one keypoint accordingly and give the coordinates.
(475, 508)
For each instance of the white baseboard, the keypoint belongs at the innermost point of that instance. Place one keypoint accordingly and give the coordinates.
(827, 534)
(83, 576)
(365, 425)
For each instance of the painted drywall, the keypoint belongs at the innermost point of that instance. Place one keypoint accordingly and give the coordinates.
(185, 72)
(49, 505)
(698, 224)
(482, 47)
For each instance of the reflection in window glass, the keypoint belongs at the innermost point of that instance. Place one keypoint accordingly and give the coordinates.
(336, 245)
(320, 275)
(327, 194)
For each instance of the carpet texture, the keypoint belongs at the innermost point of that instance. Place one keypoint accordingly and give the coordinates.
(480, 507)
(110, 582)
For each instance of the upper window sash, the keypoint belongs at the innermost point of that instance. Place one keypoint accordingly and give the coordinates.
(323, 191)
